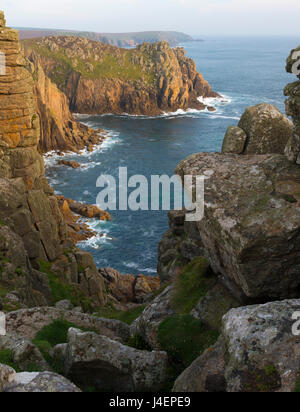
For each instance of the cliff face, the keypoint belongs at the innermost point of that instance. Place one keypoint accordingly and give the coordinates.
(33, 231)
(98, 78)
(59, 130)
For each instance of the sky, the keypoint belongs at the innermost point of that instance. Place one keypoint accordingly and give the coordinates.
(195, 17)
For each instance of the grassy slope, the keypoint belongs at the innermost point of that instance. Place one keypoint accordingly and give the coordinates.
(112, 66)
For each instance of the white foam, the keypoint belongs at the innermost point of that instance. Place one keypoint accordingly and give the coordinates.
(215, 101)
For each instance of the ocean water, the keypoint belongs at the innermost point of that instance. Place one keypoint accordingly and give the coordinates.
(246, 71)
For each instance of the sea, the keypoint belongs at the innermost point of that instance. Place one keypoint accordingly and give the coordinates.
(245, 71)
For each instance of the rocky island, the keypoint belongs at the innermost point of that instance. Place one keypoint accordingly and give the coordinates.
(222, 319)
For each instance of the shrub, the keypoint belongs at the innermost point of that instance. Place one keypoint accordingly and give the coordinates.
(191, 285)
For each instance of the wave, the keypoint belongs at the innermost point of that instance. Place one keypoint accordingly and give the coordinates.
(215, 101)
(141, 270)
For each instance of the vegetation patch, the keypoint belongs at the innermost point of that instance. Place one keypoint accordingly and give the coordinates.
(191, 285)
(111, 66)
(185, 338)
(7, 358)
(54, 334)
(128, 316)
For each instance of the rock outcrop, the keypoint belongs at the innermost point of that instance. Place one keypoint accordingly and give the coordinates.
(262, 129)
(250, 234)
(98, 78)
(250, 230)
(125, 288)
(102, 363)
(59, 130)
(32, 226)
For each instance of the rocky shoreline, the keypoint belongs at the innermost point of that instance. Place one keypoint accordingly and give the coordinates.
(221, 315)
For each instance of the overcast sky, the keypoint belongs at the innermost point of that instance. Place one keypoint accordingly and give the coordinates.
(196, 17)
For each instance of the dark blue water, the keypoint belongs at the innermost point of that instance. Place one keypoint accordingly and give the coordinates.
(247, 71)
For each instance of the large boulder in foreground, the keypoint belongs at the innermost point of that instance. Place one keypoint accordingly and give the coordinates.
(97, 361)
(262, 354)
(44, 382)
(251, 227)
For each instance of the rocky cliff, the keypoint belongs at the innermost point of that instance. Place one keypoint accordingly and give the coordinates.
(98, 78)
(33, 232)
(59, 130)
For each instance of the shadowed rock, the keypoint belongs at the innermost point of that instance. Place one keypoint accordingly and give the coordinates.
(107, 365)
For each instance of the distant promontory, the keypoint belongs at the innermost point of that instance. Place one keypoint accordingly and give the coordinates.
(115, 39)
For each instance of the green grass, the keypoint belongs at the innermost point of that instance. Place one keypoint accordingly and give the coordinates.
(111, 66)
(52, 335)
(7, 358)
(127, 317)
(191, 285)
(55, 333)
(185, 338)
(61, 290)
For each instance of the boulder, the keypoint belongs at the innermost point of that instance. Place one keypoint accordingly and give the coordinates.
(158, 310)
(7, 374)
(97, 361)
(64, 305)
(234, 141)
(24, 353)
(45, 382)
(261, 350)
(250, 230)
(69, 163)
(267, 129)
